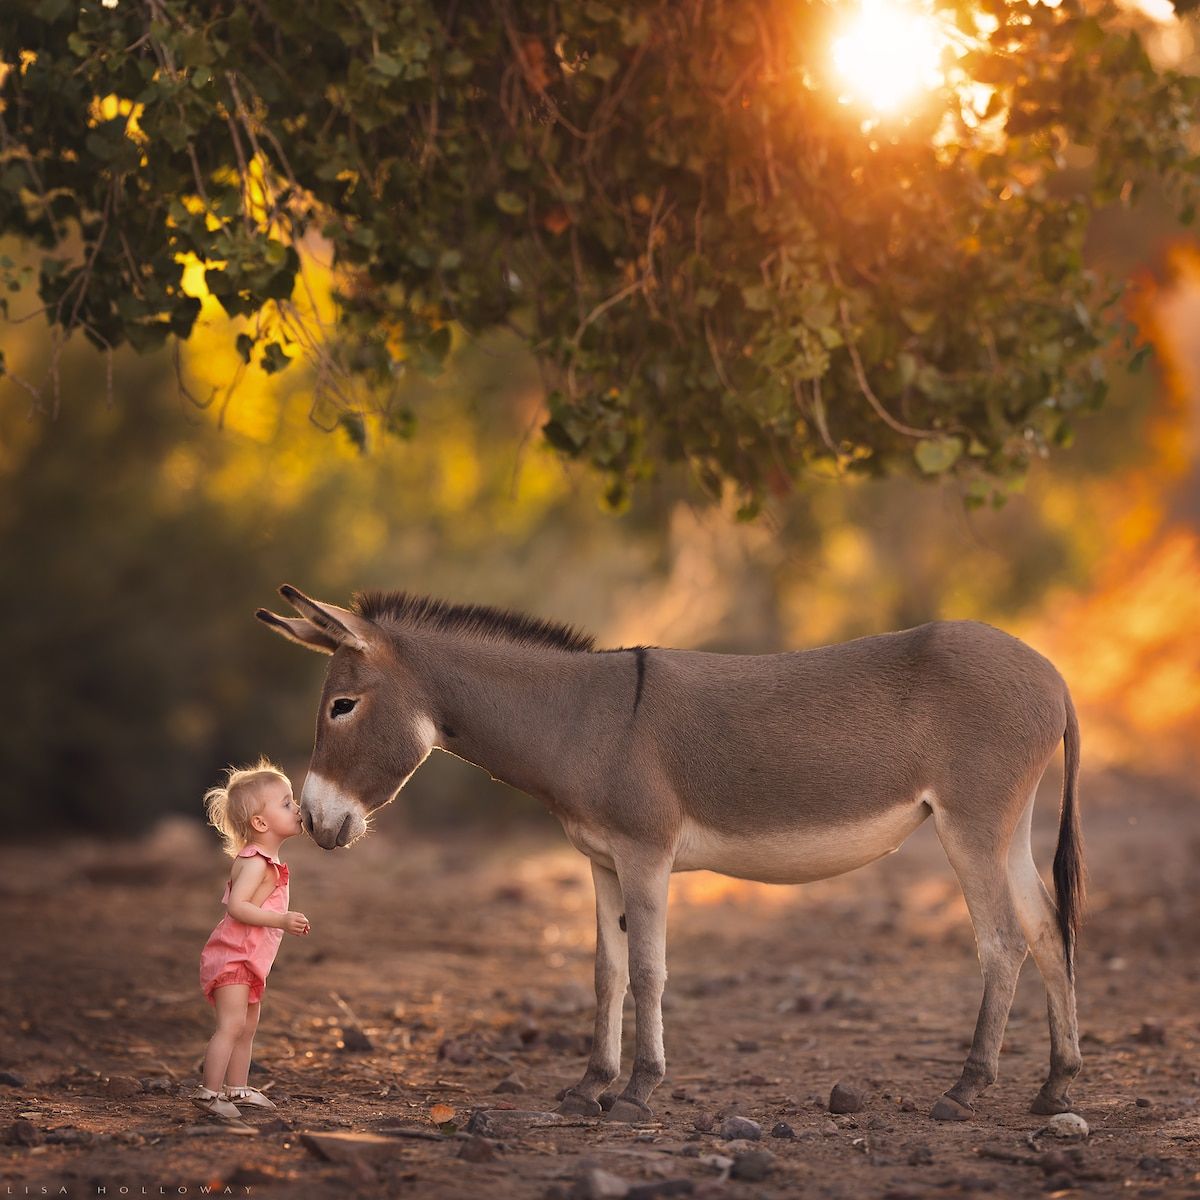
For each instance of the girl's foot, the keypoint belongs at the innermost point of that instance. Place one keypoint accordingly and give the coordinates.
(215, 1104)
(248, 1097)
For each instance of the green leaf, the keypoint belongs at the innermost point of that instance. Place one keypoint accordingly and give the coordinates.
(510, 202)
(602, 66)
(756, 298)
(937, 455)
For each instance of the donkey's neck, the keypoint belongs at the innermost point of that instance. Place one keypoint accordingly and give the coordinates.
(538, 718)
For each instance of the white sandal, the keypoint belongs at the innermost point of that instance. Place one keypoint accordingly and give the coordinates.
(248, 1097)
(215, 1104)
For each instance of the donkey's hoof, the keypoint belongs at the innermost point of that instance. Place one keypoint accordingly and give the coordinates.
(575, 1105)
(947, 1109)
(629, 1111)
(1048, 1106)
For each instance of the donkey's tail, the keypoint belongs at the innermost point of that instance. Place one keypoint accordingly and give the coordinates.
(1068, 857)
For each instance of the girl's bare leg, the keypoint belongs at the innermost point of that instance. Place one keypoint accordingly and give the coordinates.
(231, 1004)
(237, 1074)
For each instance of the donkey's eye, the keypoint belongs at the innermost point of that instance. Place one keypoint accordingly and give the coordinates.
(341, 707)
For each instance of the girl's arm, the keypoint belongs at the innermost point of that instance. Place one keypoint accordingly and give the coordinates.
(246, 882)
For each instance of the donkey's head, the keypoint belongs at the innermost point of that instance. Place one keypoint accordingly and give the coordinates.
(374, 726)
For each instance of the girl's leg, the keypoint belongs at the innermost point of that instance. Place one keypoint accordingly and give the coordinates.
(237, 1074)
(231, 1020)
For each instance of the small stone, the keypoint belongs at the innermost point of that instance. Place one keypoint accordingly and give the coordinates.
(740, 1127)
(503, 1123)
(1152, 1033)
(783, 1130)
(845, 1099)
(753, 1166)
(920, 1156)
(1155, 1166)
(478, 1150)
(511, 1084)
(160, 1085)
(121, 1087)
(829, 1129)
(355, 1041)
(11, 1079)
(679, 1093)
(704, 1122)
(1067, 1125)
(746, 1045)
(594, 1183)
(349, 1148)
(877, 1123)
(24, 1133)
(1142, 1102)
(907, 1104)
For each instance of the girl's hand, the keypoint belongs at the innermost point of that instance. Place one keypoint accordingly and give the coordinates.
(294, 922)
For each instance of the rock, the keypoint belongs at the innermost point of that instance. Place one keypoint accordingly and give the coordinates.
(68, 1135)
(753, 1166)
(508, 1122)
(829, 1129)
(1155, 1166)
(907, 1104)
(159, 1085)
(275, 1125)
(11, 1079)
(594, 1183)
(478, 1150)
(740, 1127)
(1142, 1102)
(845, 1099)
(121, 1087)
(1152, 1033)
(920, 1156)
(1067, 1125)
(661, 1188)
(349, 1148)
(456, 1050)
(783, 1130)
(24, 1133)
(746, 1045)
(355, 1041)
(511, 1084)
(704, 1122)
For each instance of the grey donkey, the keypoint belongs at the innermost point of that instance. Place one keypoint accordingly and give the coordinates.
(782, 768)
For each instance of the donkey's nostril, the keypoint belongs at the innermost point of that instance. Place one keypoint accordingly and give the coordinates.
(308, 822)
(344, 833)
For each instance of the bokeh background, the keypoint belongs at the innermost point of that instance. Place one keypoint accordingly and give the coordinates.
(143, 522)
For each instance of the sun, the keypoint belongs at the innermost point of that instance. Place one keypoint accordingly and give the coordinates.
(888, 53)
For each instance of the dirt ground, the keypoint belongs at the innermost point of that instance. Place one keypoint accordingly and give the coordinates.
(465, 960)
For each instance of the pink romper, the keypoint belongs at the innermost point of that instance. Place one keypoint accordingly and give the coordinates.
(239, 953)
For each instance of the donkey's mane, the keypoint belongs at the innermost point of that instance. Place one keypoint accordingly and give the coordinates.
(473, 620)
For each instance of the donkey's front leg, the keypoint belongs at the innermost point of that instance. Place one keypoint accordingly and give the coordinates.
(644, 885)
(612, 980)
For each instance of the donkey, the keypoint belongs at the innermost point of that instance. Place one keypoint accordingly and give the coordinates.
(781, 768)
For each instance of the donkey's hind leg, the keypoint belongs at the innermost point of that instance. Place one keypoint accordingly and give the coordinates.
(612, 982)
(1038, 917)
(981, 867)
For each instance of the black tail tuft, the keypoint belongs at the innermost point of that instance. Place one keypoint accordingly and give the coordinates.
(1068, 857)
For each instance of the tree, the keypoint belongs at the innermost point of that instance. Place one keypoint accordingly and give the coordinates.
(715, 260)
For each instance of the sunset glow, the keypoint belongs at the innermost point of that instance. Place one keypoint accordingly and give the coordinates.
(888, 53)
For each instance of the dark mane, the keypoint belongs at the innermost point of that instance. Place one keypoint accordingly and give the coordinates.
(474, 620)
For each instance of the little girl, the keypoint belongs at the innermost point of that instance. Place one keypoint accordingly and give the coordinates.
(255, 814)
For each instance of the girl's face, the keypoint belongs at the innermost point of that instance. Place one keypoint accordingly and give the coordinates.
(280, 814)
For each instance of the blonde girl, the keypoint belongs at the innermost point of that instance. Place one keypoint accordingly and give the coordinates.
(255, 814)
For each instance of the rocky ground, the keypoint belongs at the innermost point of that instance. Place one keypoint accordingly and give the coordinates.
(443, 999)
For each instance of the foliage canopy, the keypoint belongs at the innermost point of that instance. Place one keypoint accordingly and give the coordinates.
(714, 259)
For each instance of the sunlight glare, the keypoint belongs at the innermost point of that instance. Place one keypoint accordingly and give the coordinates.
(888, 53)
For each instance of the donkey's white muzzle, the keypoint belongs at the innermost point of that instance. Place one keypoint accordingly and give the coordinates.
(330, 816)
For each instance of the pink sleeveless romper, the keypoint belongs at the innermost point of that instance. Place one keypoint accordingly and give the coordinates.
(239, 953)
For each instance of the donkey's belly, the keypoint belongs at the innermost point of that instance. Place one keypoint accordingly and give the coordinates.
(797, 855)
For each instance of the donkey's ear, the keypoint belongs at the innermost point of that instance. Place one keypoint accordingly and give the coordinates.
(344, 627)
(298, 629)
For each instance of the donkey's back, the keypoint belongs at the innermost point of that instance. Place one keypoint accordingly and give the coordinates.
(844, 732)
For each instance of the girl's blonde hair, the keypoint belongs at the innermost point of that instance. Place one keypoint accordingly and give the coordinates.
(231, 808)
